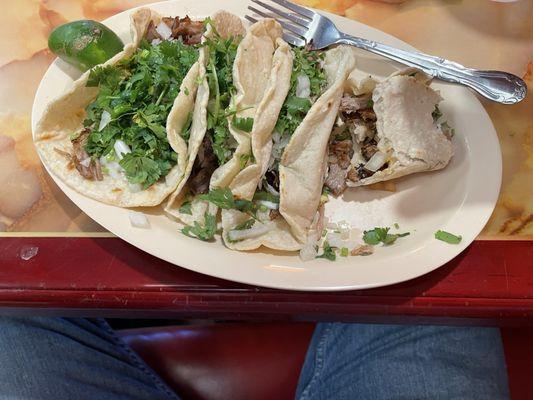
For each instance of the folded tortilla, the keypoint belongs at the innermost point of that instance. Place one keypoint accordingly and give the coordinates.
(65, 115)
(227, 25)
(253, 77)
(406, 131)
(301, 169)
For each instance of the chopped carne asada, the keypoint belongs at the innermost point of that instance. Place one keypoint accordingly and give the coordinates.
(204, 166)
(184, 29)
(88, 167)
(357, 123)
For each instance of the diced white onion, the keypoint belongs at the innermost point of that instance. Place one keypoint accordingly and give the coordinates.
(134, 187)
(268, 204)
(376, 161)
(121, 148)
(164, 30)
(340, 240)
(256, 230)
(86, 162)
(156, 41)
(138, 220)
(113, 168)
(303, 86)
(106, 119)
(309, 251)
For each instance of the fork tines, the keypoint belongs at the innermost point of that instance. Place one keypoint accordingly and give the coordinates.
(296, 23)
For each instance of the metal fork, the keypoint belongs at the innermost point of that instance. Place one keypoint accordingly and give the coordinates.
(306, 27)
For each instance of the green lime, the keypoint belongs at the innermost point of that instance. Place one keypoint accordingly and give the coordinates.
(85, 43)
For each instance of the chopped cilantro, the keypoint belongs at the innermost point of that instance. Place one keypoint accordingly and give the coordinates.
(245, 225)
(243, 124)
(221, 197)
(205, 232)
(447, 129)
(396, 226)
(377, 235)
(329, 253)
(138, 92)
(344, 252)
(437, 113)
(219, 74)
(448, 237)
(186, 208)
(266, 196)
(370, 103)
(244, 159)
(186, 130)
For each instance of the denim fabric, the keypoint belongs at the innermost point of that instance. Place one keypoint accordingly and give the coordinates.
(60, 358)
(56, 358)
(378, 362)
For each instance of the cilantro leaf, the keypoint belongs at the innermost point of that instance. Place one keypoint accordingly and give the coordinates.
(329, 253)
(140, 169)
(186, 208)
(221, 197)
(245, 225)
(266, 196)
(186, 130)
(377, 235)
(437, 113)
(243, 124)
(205, 232)
(297, 105)
(448, 237)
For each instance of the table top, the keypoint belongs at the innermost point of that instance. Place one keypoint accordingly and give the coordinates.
(492, 279)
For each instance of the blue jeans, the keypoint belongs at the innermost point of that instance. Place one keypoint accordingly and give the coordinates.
(53, 358)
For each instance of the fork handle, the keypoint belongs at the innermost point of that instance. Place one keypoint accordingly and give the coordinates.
(498, 86)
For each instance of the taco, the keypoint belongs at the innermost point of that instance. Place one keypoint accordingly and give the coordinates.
(242, 87)
(106, 137)
(387, 130)
(281, 211)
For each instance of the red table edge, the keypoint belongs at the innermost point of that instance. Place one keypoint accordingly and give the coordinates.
(199, 295)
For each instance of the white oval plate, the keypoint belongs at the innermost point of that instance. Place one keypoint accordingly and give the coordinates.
(458, 199)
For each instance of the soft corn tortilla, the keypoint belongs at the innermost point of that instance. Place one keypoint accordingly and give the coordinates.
(227, 25)
(303, 163)
(65, 116)
(265, 117)
(403, 104)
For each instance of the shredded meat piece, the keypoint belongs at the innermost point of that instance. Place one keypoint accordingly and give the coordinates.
(151, 33)
(343, 152)
(362, 172)
(369, 148)
(352, 175)
(189, 31)
(88, 167)
(273, 214)
(204, 166)
(350, 104)
(336, 179)
(363, 250)
(367, 114)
